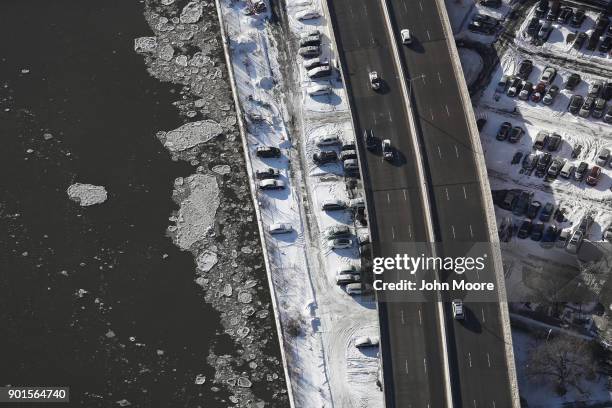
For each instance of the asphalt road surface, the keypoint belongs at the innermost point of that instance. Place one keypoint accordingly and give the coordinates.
(477, 349)
(411, 341)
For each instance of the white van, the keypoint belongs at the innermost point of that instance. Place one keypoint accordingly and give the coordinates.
(563, 238)
(567, 170)
(406, 37)
(307, 15)
(319, 89)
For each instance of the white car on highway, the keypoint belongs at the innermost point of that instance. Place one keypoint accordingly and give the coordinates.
(406, 37)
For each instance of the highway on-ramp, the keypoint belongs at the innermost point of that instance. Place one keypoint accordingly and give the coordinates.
(412, 353)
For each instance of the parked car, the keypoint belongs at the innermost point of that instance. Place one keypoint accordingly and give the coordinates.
(504, 131)
(550, 236)
(575, 104)
(595, 89)
(534, 26)
(522, 203)
(319, 89)
(315, 62)
(503, 83)
(333, 205)
(346, 278)
(565, 15)
(516, 158)
(530, 161)
(603, 157)
(319, 72)
(337, 231)
(547, 212)
(268, 173)
(545, 30)
(567, 170)
(608, 116)
(526, 91)
(550, 95)
(606, 92)
(587, 107)
(268, 151)
(310, 51)
(576, 150)
(324, 157)
(577, 18)
(533, 209)
(538, 92)
(327, 140)
(271, 184)
(280, 228)
(543, 163)
(514, 87)
(525, 69)
(564, 236)
(542, 8)
(574, 242)
(307, 15)
(310, 40)
(541, 140)
(581, 171)
(355, 289)
(548, 75)
(350, 165)
(606, 44)
(592, 41)
(593, 176)
(525, 229)
(537, 231)
(554, 142)
(341, 243)
(599, 108)
(515, 134)
(572, 81)
(555, 167)
(348, 154)
(375, 82)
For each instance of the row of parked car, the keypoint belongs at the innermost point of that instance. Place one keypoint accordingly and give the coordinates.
(519, 85)
(595, 102)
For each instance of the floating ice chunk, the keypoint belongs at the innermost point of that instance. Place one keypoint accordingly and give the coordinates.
(192, 12)
(206, 260)
(166, 52)
(87, 194)
(190, 135)
(222, 169)
(146, 44)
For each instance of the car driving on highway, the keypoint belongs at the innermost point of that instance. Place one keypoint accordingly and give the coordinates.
(374, 80)
(387, 150)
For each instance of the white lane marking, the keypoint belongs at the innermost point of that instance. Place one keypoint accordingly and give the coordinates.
(405, 199)
(439, 77)
(488, 360)
(428, 36)
(453, 228)
(483, 315)
(464, 193)
(439, 151)
(431, 113)
(423, 76)
(457, 151)
(425, 364)
(388, 199)
(474, 403)
(493, 403)
(406, 366)
(390, 118)
(477, 274)
(471, 231)
(470, 359)
(447, 111)
(365, 8)
(420, 5)
(420, 318)
(393, 232)
(410, 230)
(374, 117)
(402, 311)
(447, 196)
(405, 7)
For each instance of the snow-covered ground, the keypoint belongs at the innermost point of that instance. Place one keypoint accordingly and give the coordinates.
(319, 319)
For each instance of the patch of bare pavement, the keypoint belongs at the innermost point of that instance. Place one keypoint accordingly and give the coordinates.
(215, 220)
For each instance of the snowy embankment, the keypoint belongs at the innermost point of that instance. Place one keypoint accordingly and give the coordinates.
(318, 319)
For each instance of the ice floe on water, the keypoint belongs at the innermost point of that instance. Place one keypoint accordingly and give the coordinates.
(190, 135)
(87, 194)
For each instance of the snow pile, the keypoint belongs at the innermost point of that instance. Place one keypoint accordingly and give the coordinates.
(198, 195)
(87, 194)
(471, 62)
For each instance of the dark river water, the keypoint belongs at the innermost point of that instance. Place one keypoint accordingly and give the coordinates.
(95, 298)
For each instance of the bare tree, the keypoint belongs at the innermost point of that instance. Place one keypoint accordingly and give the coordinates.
(564, 360)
